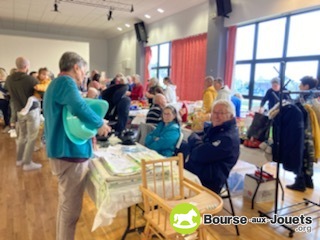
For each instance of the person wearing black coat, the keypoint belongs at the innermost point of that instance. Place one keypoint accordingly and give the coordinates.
(119, 105)
(273, 94)
(213, 156)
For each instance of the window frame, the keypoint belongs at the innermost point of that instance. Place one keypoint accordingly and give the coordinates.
(158, 67)
(283, 59)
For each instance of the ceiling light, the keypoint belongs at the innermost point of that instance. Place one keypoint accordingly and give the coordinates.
(114, 5)
(160, 10)
(109, 15)
(119, 28)
(127, 25)
(147, 16)
(55, 7)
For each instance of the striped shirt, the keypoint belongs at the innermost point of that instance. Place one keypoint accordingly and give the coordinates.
(154, 115)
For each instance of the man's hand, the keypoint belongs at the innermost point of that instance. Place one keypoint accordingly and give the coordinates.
(104, 130)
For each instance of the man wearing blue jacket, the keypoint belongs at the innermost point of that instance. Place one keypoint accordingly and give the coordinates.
(68, 160)
(212, 157)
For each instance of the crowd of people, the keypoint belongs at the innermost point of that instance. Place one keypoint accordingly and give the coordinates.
(210, 154)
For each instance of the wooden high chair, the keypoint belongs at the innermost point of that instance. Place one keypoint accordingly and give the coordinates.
(163, 187)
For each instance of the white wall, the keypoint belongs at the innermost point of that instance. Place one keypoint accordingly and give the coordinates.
(40, 52)
(46, 49)
(122, 54)
(122, 50)
(244, 11)
(190, 22)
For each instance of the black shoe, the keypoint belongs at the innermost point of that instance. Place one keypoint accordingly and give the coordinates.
(309, 182)
(297, 187)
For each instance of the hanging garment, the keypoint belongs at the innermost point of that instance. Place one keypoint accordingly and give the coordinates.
(308, 150)
(288, 131)
(315, 104)
(315, 130)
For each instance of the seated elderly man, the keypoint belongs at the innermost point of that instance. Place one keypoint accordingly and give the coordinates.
(212, 157)
(154, 115)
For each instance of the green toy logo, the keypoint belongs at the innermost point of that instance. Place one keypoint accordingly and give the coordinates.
(185, 218)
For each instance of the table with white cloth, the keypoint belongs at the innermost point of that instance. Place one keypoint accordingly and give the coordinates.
(114, 192)
(138, 116)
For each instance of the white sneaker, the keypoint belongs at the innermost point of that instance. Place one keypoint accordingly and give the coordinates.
(31, 166)
(13, 133)
(19, 163)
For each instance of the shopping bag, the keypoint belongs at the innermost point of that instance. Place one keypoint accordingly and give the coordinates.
(260, 127)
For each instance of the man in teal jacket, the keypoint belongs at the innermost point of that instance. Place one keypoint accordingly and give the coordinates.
(68, 160)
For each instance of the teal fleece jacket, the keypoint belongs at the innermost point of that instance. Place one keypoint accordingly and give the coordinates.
(164, 138)
(61, 92)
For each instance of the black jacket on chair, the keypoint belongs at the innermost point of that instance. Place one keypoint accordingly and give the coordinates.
(213, 156)
(113, 95)
(119, 106)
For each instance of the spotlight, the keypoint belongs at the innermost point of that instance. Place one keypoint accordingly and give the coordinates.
(109, 15)
(55, 7)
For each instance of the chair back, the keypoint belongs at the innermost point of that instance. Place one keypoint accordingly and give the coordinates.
(163, 187)
(143, 130)
(164, 177)
(179, 140)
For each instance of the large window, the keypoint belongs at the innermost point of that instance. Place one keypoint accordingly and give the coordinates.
(160, 61)
(264, 48)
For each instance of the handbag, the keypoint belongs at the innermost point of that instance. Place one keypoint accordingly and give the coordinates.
(260, 127)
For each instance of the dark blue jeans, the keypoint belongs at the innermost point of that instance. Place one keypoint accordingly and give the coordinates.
(4, 107)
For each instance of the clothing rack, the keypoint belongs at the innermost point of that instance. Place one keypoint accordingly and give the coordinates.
(305, 202)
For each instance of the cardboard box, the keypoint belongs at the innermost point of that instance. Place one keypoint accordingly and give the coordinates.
(266, 192)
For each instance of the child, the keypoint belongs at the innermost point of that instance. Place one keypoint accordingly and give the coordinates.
(40, 88)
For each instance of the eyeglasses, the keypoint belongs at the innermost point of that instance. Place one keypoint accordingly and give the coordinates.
(219, 113)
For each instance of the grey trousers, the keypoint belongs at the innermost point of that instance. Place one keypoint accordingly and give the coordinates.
(71, 180)
(28, 133)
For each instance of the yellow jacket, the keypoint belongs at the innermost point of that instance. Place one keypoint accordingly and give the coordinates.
(41, 87)
(315, 130)
(209, 95)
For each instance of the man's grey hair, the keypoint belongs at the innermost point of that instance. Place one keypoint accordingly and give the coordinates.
(22, 63)
(209, 79)
(69, 59)
(228, 104)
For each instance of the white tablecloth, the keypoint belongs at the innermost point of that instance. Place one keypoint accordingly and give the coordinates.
(142, 112)
(253, 156)
(118, 193)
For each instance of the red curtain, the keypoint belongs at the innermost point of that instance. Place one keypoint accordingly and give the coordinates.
(147, 60)
(232, 31)
(188, 66)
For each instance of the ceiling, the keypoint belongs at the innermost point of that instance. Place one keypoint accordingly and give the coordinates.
(85, 21)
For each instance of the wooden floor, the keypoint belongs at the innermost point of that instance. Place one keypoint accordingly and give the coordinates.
(28, 202)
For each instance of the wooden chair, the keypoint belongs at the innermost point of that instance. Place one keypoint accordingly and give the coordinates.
(163, 187)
